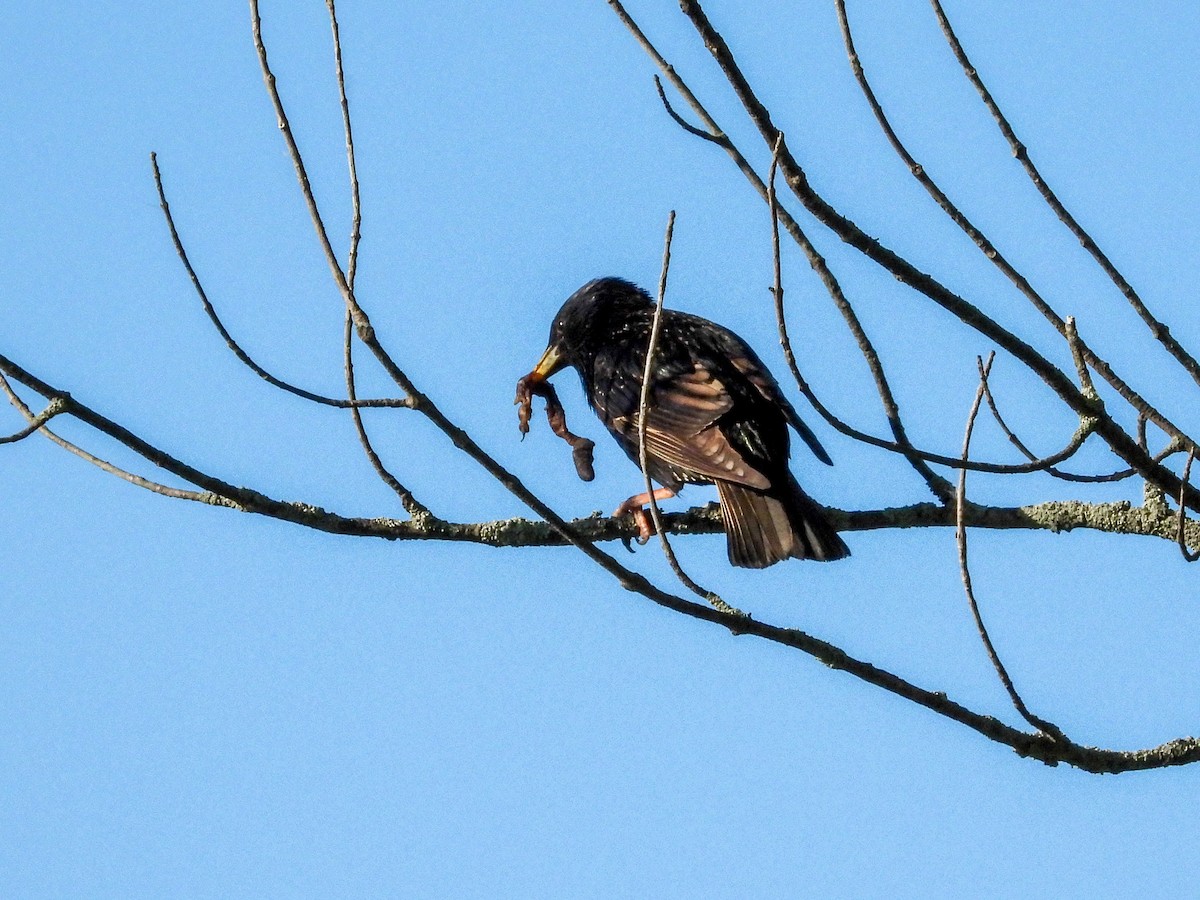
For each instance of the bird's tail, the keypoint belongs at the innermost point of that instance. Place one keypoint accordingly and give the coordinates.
(763, 528)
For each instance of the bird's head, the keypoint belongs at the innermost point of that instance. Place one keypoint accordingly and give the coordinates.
(589, 317)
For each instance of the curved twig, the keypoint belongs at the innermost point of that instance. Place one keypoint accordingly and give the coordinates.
(54, 408)
(233, 345)
(411, 504)
(1085, 429)
(1189, 555)
(718, 138)
(1046, 728)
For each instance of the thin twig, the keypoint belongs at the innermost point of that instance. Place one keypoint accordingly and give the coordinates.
(644, 414)
(1157, 328)
(721, 140)
(960, 498)
(64, 403)
(233, 345)
(777, 263)
(1087, 427)
(1079, 357)
(1189, 555)
(361, 322)
(410, 503)
(355, 198)
(54, 408)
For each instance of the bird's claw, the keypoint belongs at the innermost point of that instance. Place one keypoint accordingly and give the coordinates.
(641, 518)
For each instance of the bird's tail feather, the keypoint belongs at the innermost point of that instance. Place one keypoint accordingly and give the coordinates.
(763, 528)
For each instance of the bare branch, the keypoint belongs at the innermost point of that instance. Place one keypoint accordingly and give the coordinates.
(233, 345)
(1048, 464)
(1040, 724)
(1079, 357)
(360, 319)
(1049, 746)
(717, 138)
(1189, 555)
(355, 198)
(907, 450)
(1177, 752)
(62, 401)
(1157, 328)
(1055, 516)
(54, 408)
(410, 503)
(643, 414)
(1121, 442)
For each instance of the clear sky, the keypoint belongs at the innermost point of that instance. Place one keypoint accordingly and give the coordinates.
(198, 703)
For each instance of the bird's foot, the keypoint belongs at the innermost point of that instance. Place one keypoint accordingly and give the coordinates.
(644, 522)
(636, 506)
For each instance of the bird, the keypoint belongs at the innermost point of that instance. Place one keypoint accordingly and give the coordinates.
(715, 415)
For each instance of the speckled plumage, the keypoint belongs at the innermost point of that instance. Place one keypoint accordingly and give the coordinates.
(715, 415)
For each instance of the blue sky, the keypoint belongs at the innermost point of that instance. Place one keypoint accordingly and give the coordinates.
(198, 703)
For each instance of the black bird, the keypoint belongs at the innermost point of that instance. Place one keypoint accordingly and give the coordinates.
(715, 416)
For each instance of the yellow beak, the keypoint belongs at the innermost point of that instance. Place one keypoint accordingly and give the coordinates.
(550, 363)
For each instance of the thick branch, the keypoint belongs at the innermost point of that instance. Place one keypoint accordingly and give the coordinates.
(1119, 517)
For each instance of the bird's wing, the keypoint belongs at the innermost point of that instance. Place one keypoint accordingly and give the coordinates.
(680, 429)
(750, 366)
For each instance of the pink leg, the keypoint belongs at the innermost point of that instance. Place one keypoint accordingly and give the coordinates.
(635, 506)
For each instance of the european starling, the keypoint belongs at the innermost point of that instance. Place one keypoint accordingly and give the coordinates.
(715, 416)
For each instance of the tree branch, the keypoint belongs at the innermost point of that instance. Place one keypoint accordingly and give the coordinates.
(1047, 728)
(1116, 437)
(710, 597)
(233, 345)
(937, 485)
(1157, 328)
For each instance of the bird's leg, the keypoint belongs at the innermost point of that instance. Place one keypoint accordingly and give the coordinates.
(636, 506)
